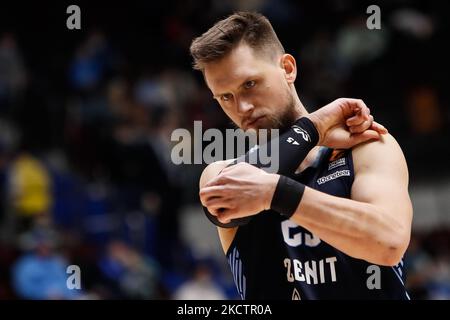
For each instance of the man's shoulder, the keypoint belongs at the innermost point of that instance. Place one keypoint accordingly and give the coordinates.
(386, 151)
(386, 143)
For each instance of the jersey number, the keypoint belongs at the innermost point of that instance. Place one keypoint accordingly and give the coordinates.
(294, 237)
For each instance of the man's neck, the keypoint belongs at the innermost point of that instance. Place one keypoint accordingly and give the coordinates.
(300, 111)
(299, 108)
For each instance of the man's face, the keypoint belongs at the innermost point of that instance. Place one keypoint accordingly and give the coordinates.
(252, 90)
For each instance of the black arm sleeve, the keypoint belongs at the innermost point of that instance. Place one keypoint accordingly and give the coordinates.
(294, 145)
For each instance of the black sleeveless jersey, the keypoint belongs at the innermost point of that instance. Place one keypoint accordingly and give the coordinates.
(271, 257)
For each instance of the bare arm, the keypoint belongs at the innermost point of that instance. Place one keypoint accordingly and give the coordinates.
(246, 190)
(375, 224)
(226, 235)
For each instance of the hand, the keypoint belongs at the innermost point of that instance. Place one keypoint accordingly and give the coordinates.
(345, 123)
(239, 191)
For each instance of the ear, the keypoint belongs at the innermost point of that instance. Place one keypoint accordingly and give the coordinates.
(289, 65)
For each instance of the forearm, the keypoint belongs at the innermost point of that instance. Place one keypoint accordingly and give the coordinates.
(287, 151)
(285, 161)
(359, 229)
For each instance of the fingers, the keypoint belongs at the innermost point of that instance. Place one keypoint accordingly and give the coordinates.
(355, 120)
(357, 124)
(367, 135)
(218, 212)
(379, 128)
(360, 116)
(216, 206)
(208, 193)
(223, 217)
(227, 215)
(353, 107)
(365, 111)
(363, 126)
(225, 177)
(222, 208)
(219, 180)
(217, 203)
(221, 214)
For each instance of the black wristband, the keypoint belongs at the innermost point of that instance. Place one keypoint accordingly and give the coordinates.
(308, 128)
(233, 223)
(287, 196)
(294, 144)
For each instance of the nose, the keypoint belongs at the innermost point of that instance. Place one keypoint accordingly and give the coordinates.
(244, 106)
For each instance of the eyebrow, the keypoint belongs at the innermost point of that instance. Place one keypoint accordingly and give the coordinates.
(248, 78)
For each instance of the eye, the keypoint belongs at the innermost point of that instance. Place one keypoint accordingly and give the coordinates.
(226, 97)
(249, 84)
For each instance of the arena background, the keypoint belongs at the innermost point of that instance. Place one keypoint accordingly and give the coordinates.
(86, 115)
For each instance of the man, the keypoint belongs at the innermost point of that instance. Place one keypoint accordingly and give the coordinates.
(335, 228)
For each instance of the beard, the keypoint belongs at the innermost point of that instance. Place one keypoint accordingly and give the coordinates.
(283, 120)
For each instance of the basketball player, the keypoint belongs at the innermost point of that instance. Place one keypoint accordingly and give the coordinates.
(335, 221)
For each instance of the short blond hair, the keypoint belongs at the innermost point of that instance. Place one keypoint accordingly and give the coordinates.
(251, 28)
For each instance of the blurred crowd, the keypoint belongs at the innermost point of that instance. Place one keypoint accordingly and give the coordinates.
(86, 119)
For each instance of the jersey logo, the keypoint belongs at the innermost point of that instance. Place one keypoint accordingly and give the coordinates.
(296, 295)
(333, 176)
(302, 132)
(336, 163)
